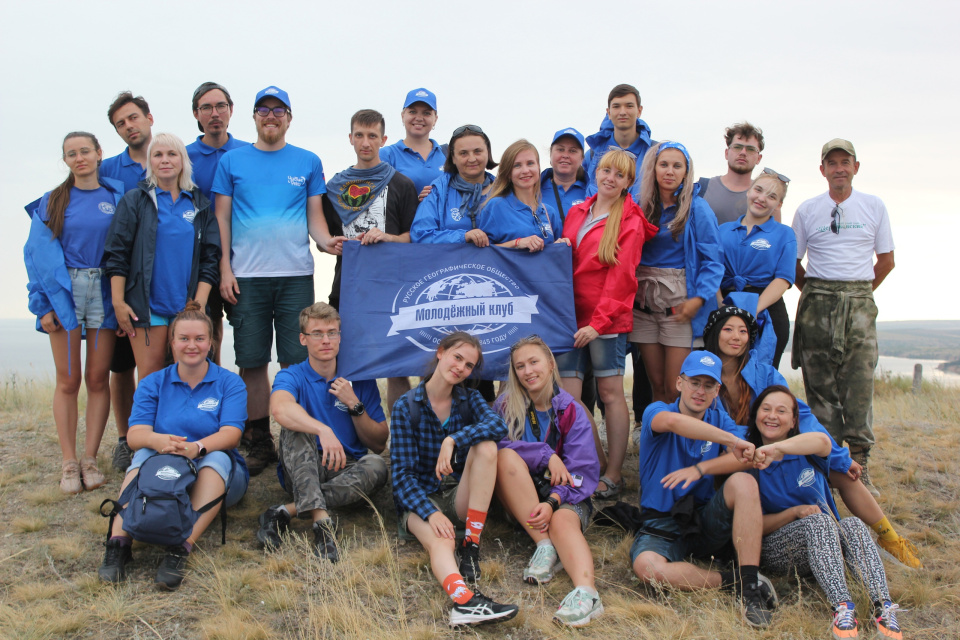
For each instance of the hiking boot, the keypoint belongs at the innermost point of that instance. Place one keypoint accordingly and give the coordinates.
(901, 550)
(542, 565)
(92, 478)
(262, 453)
(845, 622)
(578, 608)
(70, 478)
(172, 568)
(122, 455)
(480, 610)
(860, 457)
(115, 558)
(274, 522)
(885, 617)
(754, 603)
(324, 542)
(470, 561)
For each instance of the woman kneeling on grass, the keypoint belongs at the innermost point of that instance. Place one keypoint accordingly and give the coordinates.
(444, 462)
(801, 531)
(194, 409)
(549, 432)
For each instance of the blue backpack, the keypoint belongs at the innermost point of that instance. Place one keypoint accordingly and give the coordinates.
(158, 508)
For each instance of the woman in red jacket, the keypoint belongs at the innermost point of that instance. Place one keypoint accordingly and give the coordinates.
(606, 233)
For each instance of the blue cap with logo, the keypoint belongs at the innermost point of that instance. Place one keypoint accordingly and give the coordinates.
(569, 131)
(273, 92)
(421, 95)
(702, 363)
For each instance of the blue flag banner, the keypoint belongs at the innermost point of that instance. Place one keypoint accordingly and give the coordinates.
(399, 300)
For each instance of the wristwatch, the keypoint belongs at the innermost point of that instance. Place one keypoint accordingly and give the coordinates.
(201, 450)
(357, 410)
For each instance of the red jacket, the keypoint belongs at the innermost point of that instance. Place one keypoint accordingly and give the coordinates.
(603, 295)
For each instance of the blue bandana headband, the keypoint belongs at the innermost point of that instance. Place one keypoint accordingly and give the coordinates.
(682, 149)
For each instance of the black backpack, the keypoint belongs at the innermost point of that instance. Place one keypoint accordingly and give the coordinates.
(158, 508)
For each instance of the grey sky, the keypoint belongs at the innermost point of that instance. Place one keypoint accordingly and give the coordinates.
(881, 74)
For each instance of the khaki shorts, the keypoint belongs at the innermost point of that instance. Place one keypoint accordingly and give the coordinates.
(445, 500)
(657, 291)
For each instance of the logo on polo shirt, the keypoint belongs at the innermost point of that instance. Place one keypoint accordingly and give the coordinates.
(708, 361)
(341, 406)
(210, 404)
(806, 477)
(706, 447)
(422, 94)
(167, 473)
(189, 215)
(455, 214)
(106, 208)
(576, 202)
(297, 181)
(760, 244)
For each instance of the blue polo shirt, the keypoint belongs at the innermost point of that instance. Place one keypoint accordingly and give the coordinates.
(312, 392)
(662, 250)
(506, 218)
(85, 224)
(411, 164)
(205, 160)
(173, 259)
(269, 222)
(125, 169)
(794, 481)
(664, 453)
(768, 252)
(576, 194)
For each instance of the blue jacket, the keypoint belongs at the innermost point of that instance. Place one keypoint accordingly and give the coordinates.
(601, 140)
(437, 218)
(703, 260)
(132, 244)
(49, 288)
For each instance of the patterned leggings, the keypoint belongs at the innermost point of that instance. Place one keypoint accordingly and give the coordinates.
(818, 545)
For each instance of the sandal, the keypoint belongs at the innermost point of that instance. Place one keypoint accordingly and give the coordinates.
(92, 478)
(70, 481)
(612, 491)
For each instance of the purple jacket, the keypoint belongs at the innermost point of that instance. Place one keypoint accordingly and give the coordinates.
(575, 447)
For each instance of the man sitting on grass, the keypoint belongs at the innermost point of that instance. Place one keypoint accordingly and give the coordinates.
(682, 512)
(327, 425)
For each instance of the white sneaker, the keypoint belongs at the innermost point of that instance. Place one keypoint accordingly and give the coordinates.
(578, 608)
(542, 565)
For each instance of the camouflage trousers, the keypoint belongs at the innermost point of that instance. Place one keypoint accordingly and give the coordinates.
(835, 342)
(314, 486)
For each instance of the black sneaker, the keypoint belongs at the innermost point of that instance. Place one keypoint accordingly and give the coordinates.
(755, 609)
(480, 610)
(767, 591)
(115, 558)
(470, 561)
(324, 542)
(122, 454)
(262, 453)
(274, 522)
(170, 573)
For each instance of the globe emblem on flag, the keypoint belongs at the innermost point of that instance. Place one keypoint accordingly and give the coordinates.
(463, 287)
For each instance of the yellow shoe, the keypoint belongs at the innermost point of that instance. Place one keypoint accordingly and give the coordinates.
(903, 551)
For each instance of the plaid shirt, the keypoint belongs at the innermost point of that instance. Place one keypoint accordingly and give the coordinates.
(414, 448)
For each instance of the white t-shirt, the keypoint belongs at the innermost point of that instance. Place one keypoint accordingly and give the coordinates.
(848, 255)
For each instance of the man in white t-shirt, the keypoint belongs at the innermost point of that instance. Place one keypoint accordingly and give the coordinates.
(835, 333)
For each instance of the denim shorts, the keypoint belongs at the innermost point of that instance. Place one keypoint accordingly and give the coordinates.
(265, 304)
(716, 527)
(608, 357)
(220, 461)
(87, 296)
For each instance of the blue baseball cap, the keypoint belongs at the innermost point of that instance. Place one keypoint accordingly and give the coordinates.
(421, 95)
(273, 92)
(702, 363)
(569, 131)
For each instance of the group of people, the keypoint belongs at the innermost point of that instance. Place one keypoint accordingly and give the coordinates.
(148, 249)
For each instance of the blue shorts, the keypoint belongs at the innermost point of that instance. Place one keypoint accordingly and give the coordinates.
(264, 305)
(220, 461)
(87, 297)
(716, 527)
(160, 321)
(608, 357)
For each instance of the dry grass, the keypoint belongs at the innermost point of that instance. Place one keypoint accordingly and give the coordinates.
(51, 545)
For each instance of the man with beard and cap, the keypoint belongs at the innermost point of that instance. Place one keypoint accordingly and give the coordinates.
(371, 202)
(213, 108)
(727, 194)
(130, 116)
(268, 207)
(623, 128)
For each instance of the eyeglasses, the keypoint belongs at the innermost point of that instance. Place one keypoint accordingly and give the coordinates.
(632, 155)
(320, 335)
(737, 148)
(221, 107)
(836, 218)
(696, 385)
(540, 224)
(770, 172)
(472, 128)
(533, 338)
(263, 112)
